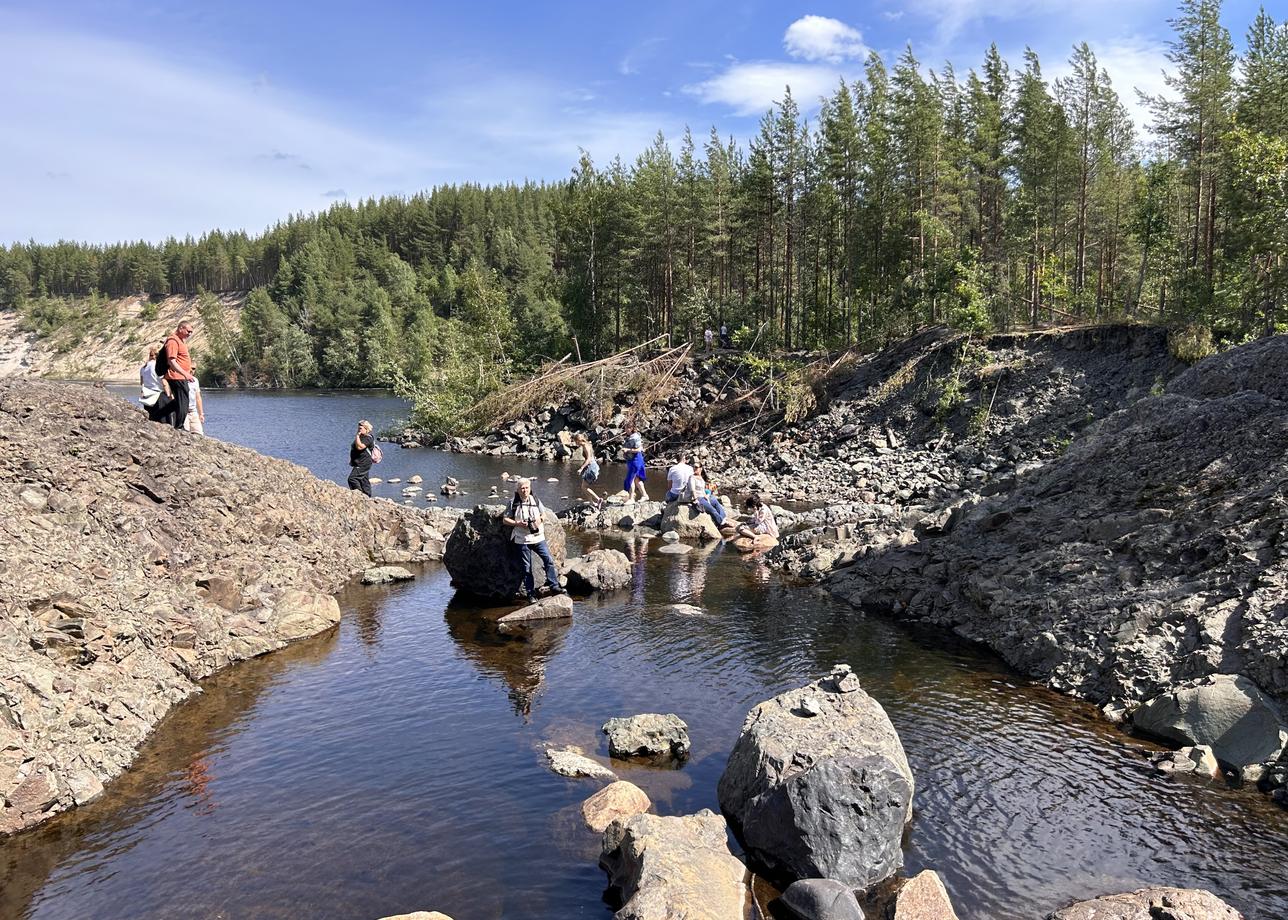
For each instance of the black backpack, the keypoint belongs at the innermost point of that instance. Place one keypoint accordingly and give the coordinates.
(163, 362)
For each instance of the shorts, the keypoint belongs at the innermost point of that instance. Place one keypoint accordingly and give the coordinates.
(590, 474)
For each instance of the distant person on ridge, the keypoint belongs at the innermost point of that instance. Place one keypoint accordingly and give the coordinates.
(177, 364)
(708, 336)
(152, 392)
(527, 536)
(635, 469)
(360, 458)
(725, 341)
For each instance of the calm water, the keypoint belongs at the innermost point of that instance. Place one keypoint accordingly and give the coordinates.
(395, 763)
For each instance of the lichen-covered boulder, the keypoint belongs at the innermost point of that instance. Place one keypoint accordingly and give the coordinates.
(818, 785)
(1151, 904)
(482, 558)
(662, 868)
(598, 570)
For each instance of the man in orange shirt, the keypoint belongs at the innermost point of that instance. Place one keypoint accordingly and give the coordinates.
(178, 373)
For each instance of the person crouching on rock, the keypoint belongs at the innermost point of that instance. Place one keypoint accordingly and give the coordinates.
(360, 458)
(762, 523)
(528, 537)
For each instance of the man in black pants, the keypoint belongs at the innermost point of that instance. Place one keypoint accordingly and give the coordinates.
(360, 458)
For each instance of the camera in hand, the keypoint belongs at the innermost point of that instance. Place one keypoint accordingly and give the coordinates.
(534, 526)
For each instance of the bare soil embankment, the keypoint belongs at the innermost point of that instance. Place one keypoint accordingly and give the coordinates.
(110, 347)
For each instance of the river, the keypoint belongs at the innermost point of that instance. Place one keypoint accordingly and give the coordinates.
(394, 763)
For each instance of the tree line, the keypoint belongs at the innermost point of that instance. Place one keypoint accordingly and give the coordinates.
(994, 199)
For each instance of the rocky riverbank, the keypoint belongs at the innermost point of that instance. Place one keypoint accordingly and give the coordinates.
(136, 560)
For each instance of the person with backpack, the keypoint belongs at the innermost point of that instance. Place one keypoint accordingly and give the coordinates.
(527, 536)
(362, 453)
(174, 366)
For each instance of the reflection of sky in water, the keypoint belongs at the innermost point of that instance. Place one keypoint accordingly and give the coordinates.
(395, 764)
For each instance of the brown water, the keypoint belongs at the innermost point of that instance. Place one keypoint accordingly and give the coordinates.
(395, 763)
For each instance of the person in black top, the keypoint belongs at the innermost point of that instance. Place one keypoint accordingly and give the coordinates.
(360, 458)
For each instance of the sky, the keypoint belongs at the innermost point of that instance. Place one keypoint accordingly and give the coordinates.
(144, 119)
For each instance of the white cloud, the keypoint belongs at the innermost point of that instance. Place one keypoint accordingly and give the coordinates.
(820, 38)
(952, 16)
(1135, 65)
(751, 87)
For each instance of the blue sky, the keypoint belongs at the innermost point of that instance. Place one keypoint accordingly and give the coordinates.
(138, 120)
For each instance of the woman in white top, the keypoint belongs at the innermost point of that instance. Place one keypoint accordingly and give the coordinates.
(150, 387)
(762, 522)
(196, 419)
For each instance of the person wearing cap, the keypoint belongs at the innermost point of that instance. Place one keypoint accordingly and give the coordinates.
(528, 536)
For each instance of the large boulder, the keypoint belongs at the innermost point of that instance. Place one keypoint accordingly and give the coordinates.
(1151, 904)
(598, 570)
(689, 522)
(818, 785)
(481, 557)
(648, 735)
(1240, 723)
(662, 868)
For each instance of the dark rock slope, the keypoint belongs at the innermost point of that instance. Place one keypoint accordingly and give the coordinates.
(135, 560)
(1152, 551)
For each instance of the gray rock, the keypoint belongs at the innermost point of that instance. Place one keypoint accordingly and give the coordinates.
(675, 549)
(1198, 760)
(384, 574)
(821, 796)
(648, 735)
(667, 868)
(481, 558)
(820, 899)
(556, 607)
(573, 763)
(1151, 904)
(598, 570)
(689, 523)
(1229, 713)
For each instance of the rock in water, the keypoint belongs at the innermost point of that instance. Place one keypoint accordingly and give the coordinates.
(481, 557)
(661, 868)
(675, 549)
(822, 795)
(1198, 760)
(1228, 712)
(573, 763)
(924, 897)
(1151, 904)
(820, 899)
(547, 608)
(599, 570)
(616, 801)
(419, 915)
(689, 522)
(382, 574)
(648, 735)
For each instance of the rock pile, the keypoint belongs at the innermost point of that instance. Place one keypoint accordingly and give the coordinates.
(1151, 555)
(136, 560)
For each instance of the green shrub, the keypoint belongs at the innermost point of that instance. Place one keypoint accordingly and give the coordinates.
(1191, 343)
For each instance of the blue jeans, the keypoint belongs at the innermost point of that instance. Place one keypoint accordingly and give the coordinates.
(542, 549)
(713, 508)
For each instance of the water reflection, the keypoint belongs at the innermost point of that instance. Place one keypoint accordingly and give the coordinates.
(517, 658)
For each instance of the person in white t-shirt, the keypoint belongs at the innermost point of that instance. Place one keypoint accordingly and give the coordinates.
(196, 419)
(677, 478)
(528, 536)
(151, 389)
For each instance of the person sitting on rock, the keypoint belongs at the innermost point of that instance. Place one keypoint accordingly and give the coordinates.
(528, 537)
(635, 469)
(678, 477)
(762, 521)
(703, 497)
(589, 469)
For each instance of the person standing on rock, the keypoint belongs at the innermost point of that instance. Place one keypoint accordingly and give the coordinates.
(589, 469)
(152, 392)
(635, 470)
(196, 420)
(528, 537)
(708, 337)
(176, 361)
(360, 458)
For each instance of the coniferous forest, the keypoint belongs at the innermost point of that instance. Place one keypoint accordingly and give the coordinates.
(998, 198)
